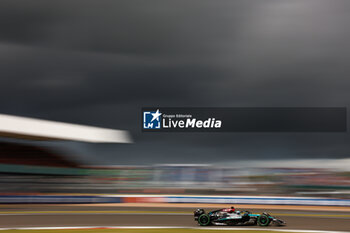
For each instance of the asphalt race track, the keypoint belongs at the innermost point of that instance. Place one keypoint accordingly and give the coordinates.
(13, 216)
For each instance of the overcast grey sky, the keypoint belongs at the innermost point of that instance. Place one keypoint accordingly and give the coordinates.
(99, 62)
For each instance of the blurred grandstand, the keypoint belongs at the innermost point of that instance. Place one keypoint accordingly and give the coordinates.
(208, 179)
(55, 175)
(26, 168)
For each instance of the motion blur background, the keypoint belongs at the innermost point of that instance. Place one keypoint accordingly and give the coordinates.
(99, 62)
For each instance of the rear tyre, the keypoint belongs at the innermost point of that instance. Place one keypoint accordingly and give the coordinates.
(263, 220)
(204, 220)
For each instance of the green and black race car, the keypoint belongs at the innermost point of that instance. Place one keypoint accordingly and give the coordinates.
(232, 217)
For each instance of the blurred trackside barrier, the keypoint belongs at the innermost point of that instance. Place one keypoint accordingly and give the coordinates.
(255, 200)
(55, 199)
(260, 200)
(143, 199)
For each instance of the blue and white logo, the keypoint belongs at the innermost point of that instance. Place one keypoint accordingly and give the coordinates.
(151, 120)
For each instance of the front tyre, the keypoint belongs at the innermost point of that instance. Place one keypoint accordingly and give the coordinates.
(204, 220)
(263, 220)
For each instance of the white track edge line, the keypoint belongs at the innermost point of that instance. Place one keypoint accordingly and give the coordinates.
(169, 227)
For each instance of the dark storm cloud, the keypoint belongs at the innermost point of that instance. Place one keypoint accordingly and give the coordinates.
(99, 62)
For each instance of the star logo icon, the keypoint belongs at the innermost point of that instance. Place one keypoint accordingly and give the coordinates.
(156, 115)
(152, 119)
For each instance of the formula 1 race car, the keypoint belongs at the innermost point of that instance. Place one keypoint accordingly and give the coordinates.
(231, 217)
